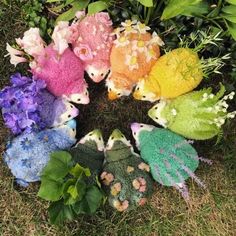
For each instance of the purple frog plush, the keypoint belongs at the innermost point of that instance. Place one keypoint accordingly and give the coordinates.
(28, 106)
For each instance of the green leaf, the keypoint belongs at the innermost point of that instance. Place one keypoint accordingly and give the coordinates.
(58, 166)
(231, 2)
(70, 14)
(50, 190)
(51, 1)
(67, 184)
(230, 18)
(176, 7)
(194, 10)
(97, 7)
(91, 201)
(72, 190)
(146, 3)
(232, 30)
(77, 171)
(58, 212)
(229, 10)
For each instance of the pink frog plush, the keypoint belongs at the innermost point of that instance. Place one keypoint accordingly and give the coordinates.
(63, 74)
(92, 42)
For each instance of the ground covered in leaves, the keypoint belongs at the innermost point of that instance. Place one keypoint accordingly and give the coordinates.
(209, 212)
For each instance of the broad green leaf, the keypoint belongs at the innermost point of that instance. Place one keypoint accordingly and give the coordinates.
(229, 10)
(50, 190)
(81, 189)
(231, 2)
(72, 190)
(176, 7)
(194, 10)
(230, 18)
(70, 14)
(96, 7)
(58, 166)
(77, 171)
(58, 212)
(67, 184)
(232, 30)
(146, 3)
(51, 1)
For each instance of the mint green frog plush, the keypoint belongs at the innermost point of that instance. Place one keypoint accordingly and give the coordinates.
(171, 158)
(197, 115)
(125, 176)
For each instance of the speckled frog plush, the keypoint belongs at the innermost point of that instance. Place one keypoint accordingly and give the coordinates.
(125, 176)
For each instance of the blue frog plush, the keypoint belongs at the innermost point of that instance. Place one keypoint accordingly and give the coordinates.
(27, 154)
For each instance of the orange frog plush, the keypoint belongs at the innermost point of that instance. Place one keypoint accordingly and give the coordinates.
(133, 54)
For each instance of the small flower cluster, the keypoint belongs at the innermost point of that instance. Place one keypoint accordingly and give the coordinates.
(139, 184)
(20, 104)
(138, 46)
(220, 107)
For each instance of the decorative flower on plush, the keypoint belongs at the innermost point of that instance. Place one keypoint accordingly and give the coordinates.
(133, 54)
(63, 74)
(92, 42)
(125, 177)
(27, 105)
(171, 158)
(27, 154)
(196, 115)
(89, 152)
(178, 71)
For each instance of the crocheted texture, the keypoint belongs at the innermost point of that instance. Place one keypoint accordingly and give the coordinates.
(66, 68)
(28, 154)
(170, 156)
(175, 73)
(93, 42)
(88, 156)
(125, 181)
(196, 115)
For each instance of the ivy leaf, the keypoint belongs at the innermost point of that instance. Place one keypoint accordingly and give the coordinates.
(58, 166)
(198, 9)
(70, 14)
(91, 201)
(58, 212)
(231, 2)
(230, 18)
(232, 30)
(146, 3)
(50, 189)
(77, 171)
(176, 7)
(97, 7)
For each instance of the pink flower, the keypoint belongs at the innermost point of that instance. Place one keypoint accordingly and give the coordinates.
(32, 43)
(15, 55)
(74, 33)
(104, 18)
(61, 36)
(84, 52)
(142, 201)
(80, 14)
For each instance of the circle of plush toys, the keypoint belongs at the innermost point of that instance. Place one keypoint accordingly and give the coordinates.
(77, 177)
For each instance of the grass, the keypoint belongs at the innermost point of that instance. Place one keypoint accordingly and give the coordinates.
(209, 212)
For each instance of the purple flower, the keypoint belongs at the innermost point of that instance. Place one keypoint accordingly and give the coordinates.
(18, 80)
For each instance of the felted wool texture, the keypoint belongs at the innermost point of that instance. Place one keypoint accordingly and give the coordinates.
(177, 72)
(192, 111)
(121, 75)
(88, 156)
(63, 74)
(96, 35)
(159, 148)
(27, 154)
(117, 162)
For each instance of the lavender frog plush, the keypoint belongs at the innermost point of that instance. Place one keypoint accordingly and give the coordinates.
(27, 154)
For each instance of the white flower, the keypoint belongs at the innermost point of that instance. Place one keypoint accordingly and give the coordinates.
(156, 39)
(150, 54)
(174, 112)
(132, 61)
(15, 55)
(122, 41)
(142, 28)
(32, 43)
(139, 45)
(61, 36)
(128, 23)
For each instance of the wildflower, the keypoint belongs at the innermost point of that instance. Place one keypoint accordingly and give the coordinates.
(84, 52)
(121, 41)
(142, 28)
(132, 61)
